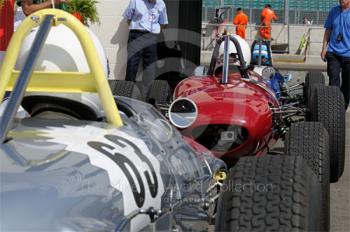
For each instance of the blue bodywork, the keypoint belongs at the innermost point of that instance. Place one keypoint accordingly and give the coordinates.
(275, 83)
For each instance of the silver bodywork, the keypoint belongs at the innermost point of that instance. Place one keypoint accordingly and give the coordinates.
(129, 171)
(57, 175)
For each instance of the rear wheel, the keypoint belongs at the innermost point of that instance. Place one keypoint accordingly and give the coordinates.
(159, 92)
(270, 193)
(328, 107)
(125, 89)
(310, 140)
(312, 79)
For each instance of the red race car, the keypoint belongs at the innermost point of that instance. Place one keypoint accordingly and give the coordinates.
(238, 109)
(233, 111)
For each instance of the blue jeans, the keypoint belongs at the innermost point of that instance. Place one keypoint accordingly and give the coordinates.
(143, 45)
(336, 65)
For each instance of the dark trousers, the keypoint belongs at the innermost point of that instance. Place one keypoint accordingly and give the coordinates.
(336, 65)
(141, 45)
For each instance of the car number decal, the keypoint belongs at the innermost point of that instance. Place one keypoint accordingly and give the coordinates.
(131, 167)
(123, 162)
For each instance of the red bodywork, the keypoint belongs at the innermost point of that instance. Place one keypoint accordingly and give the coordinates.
(241, 102)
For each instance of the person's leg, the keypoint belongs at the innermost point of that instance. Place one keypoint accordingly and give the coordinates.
(333, 69)
(241, 32)
(345, 86)
(237, 31)
(262, 32)
(149, 59)
(268, 32)
(134, 55)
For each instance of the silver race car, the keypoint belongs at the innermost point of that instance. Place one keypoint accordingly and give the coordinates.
(75, 158)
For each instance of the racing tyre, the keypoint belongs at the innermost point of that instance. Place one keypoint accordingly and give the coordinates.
(159, 92)
(125, 89)
(270, 193)
(310, 140)
(328, 107)
(312, 79)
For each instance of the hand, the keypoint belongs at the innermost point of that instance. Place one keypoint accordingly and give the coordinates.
(323, 55)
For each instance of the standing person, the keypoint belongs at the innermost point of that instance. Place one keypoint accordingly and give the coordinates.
(241, 21)
(30, 6)
(336, 47)
(267, 16)
(146, 18)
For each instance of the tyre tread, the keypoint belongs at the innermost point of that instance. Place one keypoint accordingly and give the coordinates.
(282, 209)
(159, 91)
(310, 140)
(329, 109)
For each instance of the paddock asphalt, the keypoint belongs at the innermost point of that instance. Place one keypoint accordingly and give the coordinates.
(340, 191)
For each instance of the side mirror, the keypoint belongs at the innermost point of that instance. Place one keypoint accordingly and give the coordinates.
(200, 71)
(183, 113)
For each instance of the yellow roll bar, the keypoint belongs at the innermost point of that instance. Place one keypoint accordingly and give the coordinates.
(68, 82)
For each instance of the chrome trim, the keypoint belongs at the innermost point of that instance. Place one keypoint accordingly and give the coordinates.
(196, 112)
(208, 166)
(224, 79)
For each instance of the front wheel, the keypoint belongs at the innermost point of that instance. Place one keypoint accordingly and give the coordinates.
(310, 140)
(270, 193)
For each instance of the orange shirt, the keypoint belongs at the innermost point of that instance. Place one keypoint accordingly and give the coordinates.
(241, 21)
(267, 15)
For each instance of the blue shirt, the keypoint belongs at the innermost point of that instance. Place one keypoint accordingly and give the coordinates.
(339, 23)
(146, 16)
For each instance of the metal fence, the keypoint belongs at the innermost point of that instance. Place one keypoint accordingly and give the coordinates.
(315, 5)
(295, 16)
(290, 37)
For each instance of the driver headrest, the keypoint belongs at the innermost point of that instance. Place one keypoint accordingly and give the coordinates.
(233, 51)
(234, 61)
